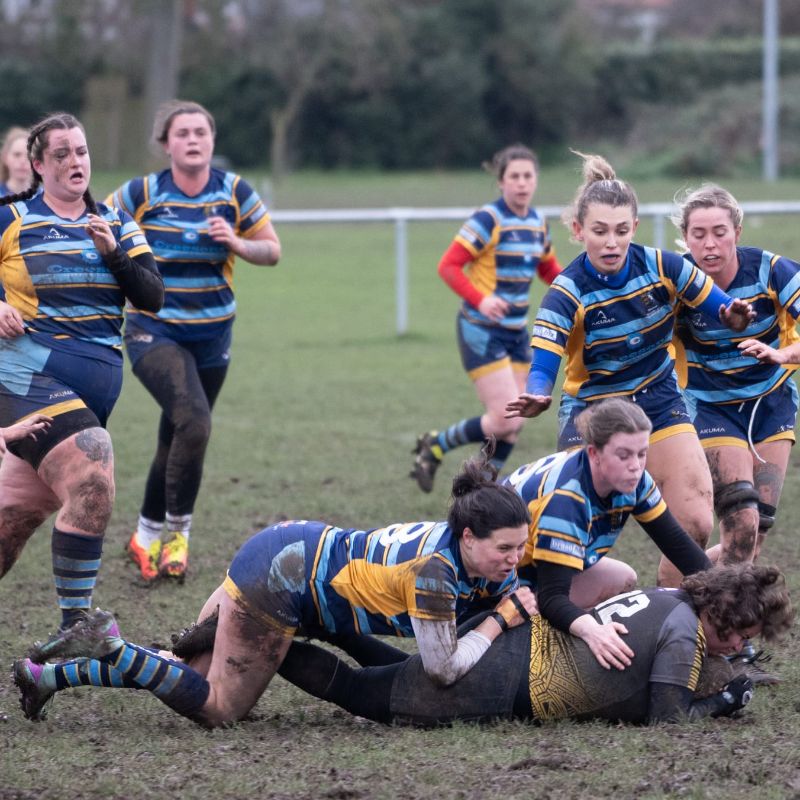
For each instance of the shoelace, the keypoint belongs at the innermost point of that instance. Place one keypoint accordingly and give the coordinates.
(759, 657)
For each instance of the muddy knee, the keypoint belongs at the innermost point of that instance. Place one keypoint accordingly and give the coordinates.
(17, 525)
(89, 503)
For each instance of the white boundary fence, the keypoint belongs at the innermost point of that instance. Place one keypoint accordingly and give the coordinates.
(400, 217)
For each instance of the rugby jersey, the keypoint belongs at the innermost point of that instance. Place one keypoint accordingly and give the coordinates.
(570, 524)
(197, 271)
(617, 338)
(506, 251)
(709, 364)
(375, 581)
(53, 274)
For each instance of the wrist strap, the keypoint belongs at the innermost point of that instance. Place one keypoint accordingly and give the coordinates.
(500, 620)
(523, 612)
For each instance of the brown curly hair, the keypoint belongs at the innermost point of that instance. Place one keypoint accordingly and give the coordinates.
(739, 596)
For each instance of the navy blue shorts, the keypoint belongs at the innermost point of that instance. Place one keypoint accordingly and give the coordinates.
(268, 574)
(37, 379)
(768, 418)
(486, 348)
(661, 400)
(207, 353)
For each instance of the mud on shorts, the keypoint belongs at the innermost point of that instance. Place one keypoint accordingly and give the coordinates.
(768, 418)
(207, 353)
(661, 400)
(486, 348)
(75, 389)
(268, 574)
(497, 687)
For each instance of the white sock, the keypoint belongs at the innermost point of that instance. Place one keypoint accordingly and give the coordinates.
(148, 531)
(179, 524)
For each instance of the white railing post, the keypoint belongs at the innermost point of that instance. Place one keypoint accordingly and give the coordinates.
(401, 273)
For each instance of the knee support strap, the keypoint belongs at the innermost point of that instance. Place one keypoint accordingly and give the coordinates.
(766, 517)
(734, 496)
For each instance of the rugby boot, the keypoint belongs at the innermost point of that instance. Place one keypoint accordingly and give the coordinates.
(95, 635)
(146, 558)
(429, 457)
(174, 557)
(35, 697)
(197, 638)
(748, 663)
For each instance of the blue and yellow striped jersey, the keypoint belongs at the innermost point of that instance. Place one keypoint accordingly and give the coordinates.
(506, 250)
(570, 524)
(197, 271)
(52, 273)
(617, 338)
(375, 581)
(708, 362)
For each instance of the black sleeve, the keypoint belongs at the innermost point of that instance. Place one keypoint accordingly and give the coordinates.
(670, 703)
(676, 544)
(138, 277)
(553, 582)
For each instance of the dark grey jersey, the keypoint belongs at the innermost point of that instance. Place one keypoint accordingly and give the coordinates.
(665, 635)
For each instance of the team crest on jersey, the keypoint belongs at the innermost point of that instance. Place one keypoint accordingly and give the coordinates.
(55, 233)
(190, 237)
(651, 305)
(698, 321)
(90, 256)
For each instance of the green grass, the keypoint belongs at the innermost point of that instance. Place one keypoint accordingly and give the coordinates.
(317, 420)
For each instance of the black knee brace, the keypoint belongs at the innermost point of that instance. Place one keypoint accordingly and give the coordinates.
(734, 496)
(766, 517)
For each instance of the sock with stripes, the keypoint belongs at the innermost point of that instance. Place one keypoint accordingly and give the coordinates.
(464, 432)
(174, 683)
(132, 666)
(76, 561)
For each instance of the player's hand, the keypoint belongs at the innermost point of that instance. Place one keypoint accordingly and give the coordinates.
(763, 352)
(605, 641)
(220, 230)
(27, 428)
(11, 323)
(737, 694)
(494, 307)
(737, 315)
(528, 405)
(518, 607)
(100, 233)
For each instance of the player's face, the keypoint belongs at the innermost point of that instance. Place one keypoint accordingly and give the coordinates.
(496, 556)
(16, 160)
(729, 644)
(618, 466)
(65, 166)
(606, 233)
(518, 185)
(712, 239)
(190, 142)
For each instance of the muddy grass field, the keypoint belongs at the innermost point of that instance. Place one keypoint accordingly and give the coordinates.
(318, 417)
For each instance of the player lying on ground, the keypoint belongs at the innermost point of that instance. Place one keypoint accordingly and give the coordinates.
(412, 579)
(537, 672)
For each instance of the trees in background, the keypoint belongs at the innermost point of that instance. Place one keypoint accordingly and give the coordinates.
(386, 83)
